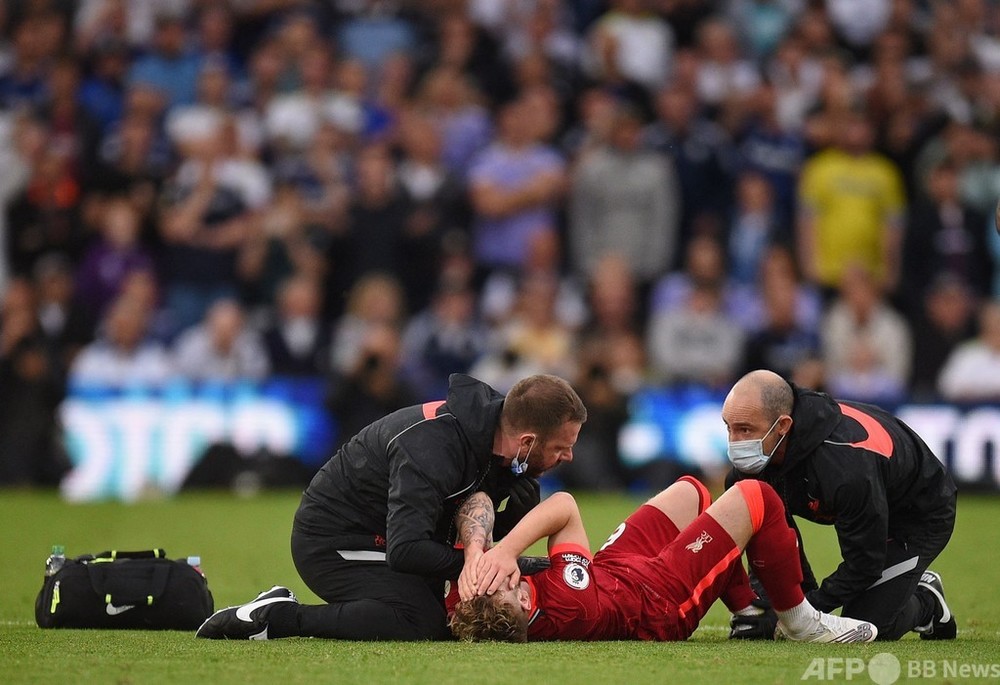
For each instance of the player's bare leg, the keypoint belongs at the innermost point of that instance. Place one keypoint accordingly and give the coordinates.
(682, 501)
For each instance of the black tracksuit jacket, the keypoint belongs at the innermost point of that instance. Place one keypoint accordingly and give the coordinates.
(864, 471)
(397, 484)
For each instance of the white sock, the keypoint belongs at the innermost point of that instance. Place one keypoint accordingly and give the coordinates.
(799, 619)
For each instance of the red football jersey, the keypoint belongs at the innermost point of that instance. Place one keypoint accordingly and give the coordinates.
(646, 583)
(577, 599)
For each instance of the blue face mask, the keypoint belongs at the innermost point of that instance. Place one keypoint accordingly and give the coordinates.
(519, 467)
(748, 455)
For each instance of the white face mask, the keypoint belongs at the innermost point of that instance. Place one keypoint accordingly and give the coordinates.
(748, 455)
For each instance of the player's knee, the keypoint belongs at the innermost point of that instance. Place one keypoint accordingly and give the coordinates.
(762, 501)
(681, 502)
(704, 496)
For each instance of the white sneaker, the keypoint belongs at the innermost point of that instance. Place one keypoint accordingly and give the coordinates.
(830, 628)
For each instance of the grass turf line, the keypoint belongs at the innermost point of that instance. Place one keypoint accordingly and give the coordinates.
(243, 544)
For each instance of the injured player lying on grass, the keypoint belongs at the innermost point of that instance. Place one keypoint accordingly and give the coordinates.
(654, 579)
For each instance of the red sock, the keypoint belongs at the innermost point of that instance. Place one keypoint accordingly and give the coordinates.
(773, 550)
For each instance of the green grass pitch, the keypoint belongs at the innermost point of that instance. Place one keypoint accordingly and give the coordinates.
(243, 544)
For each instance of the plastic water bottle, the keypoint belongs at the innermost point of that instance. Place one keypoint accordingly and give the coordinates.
(195, 563)
(55, 560)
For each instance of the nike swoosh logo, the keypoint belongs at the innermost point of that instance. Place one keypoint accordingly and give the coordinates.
(243, 612)
(114, 611)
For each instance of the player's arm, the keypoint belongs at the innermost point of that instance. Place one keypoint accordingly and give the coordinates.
(557, 518)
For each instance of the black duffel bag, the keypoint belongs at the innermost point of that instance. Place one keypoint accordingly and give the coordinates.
(133, 590)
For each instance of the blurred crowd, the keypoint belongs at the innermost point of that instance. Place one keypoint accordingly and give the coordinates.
(627, 193)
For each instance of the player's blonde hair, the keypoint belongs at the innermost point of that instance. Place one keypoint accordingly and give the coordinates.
(487, 619)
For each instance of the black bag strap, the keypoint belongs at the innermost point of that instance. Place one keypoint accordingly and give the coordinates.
(134, 583)
(112, 555)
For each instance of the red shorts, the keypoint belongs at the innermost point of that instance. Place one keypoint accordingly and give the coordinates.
(675, 577)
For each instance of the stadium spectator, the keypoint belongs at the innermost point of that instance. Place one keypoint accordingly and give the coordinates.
(858, 22)
(867, 345)
(285, 242)
(972, 371)
(445, 338)
(613, 301)
(133, 158)
(63, 324)
(170, 68)
(543, 259)
(590, 129)
(22, 139)
(753, 229)
(375, 387)
(783, 344)
(696, 343)
(630, 45)
(946, 320)
(596, 465)
(797, 77)
(851, 209)
(705, 159)
(435, 201)
(857, 467)
(769, 146)
(376, 239)
(762, 25)
(374, 534)
(944, 235)
(214, 29)
(452, 102)
(123, 354)
(624, 200)
(207, 207)
(44, 217)
(109, 259)
(370, 32)
(514, 187)
(71, 128)
(298, 340)
(724, 75)
(705, 265)
(375, 300)
(32, 383)
(102, 91)
(645, 583)
(533, 340)
(36, 39)
(223, 347)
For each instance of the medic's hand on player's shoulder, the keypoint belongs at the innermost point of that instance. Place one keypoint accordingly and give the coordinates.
(496, 568)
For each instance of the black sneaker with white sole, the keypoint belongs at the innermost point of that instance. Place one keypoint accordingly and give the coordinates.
(247, 621)
(942, 626)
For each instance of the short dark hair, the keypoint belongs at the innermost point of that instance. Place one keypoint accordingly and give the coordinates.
(542, 403)
(777, 398)
(487, 619)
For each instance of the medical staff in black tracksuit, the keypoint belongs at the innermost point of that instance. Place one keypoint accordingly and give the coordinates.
(374, 534)
(862, 470)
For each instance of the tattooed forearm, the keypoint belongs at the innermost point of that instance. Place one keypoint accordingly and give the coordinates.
(474, 521)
